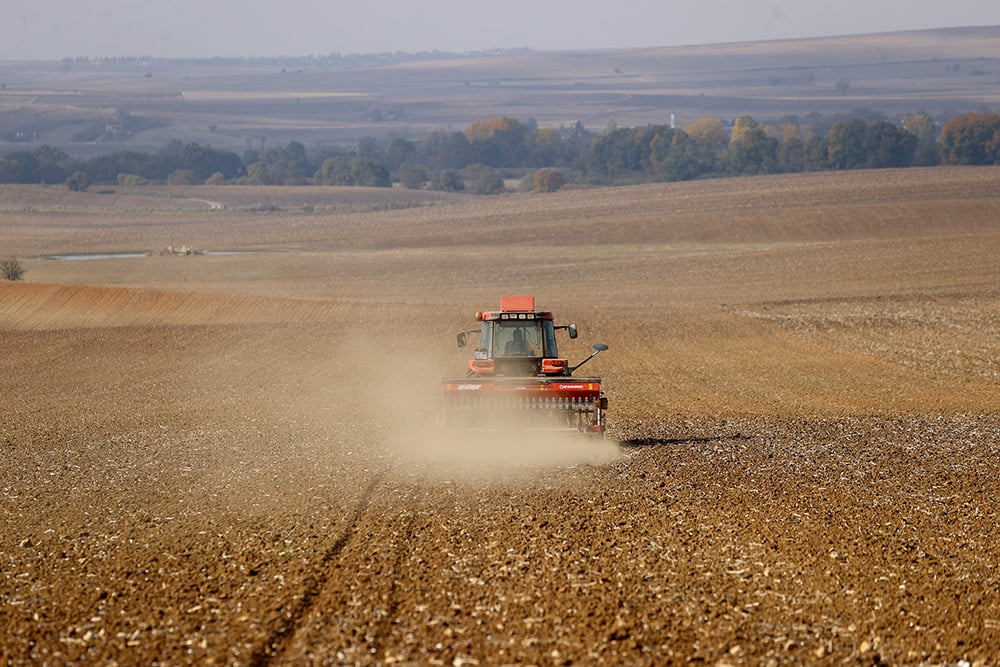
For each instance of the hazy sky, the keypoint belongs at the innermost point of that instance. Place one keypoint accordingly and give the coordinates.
(53, 29)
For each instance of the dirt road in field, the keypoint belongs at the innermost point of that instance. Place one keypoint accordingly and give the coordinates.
(231, 459)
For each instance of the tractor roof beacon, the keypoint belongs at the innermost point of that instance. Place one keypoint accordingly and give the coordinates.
(517, 378)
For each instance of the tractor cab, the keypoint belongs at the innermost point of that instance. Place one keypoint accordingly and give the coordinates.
(517, 340)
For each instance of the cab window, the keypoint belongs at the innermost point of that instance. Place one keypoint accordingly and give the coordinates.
(521, 338)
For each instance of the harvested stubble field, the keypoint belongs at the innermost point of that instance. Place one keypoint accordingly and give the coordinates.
(226, 458)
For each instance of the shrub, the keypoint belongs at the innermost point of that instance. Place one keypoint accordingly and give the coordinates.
(131, 179)
(183, 177)
(11, 269)
(449, 181)
(548, 180)
(78, 181)
(486, 181)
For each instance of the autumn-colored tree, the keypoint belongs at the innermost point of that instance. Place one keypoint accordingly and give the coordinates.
(481, 128)
(498, 141)
(709, 131)
(789, 131)
(709, 145)
(971, 138)
(548, 180)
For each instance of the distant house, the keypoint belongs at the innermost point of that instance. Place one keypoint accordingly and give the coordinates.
(115, 125)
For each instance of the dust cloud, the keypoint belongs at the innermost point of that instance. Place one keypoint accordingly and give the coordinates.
(402, 397)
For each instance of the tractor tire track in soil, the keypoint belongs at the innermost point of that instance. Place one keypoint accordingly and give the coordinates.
(383, 628)
(353, 616)
(273, 649)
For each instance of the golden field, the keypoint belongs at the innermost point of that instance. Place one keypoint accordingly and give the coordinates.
(230, 457)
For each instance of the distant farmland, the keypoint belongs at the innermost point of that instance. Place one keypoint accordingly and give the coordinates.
(253, 104)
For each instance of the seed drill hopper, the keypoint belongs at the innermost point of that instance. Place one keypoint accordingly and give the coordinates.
(517, 379)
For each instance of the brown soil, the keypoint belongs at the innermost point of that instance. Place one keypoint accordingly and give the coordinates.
(230, 458)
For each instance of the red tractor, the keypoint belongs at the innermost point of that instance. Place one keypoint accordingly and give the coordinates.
(516, 377)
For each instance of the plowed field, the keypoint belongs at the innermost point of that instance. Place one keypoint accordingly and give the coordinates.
(230, 458)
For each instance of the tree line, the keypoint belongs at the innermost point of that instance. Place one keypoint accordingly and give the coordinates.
(479, 158)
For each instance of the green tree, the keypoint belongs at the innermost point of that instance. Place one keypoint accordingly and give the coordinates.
(400, 151)
(352, 170)
(792, 155)
(547, 148)
(52, 165)
(846, 145)
(751, 150)
(817, 154)
(257, 174)
(616, 154)
(684, 159)
(412, 176)
(19, 167)
(205, 161)
(630, 152)
(370, 173)
(287, 165)
(888, 145)
(445, 151)
(923, 128)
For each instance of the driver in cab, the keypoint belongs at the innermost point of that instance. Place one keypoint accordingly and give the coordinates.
(517, 346)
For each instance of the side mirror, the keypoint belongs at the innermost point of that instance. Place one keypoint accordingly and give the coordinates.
(600, 347)
(573, 333)
(462, 342)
